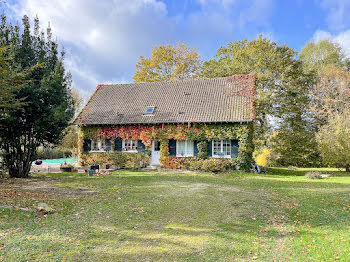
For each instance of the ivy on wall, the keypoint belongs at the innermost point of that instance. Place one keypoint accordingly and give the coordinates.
(194, 132)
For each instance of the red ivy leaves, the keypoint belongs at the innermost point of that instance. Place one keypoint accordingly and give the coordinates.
(241, 88)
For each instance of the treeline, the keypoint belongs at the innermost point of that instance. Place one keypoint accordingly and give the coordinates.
(302, 103)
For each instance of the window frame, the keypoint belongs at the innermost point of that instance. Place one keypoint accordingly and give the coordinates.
(125, 150)
(222, 149)
(186, 146)
(99, 145)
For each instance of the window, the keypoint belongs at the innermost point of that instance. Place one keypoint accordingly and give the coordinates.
(156, 145)
(222, 148)
(98, 145)
(149, 110)
(184, 148)
(130, 145)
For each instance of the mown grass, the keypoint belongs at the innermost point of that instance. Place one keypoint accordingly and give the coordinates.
(151, 216)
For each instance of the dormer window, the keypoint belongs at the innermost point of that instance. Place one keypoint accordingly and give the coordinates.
(149, 110)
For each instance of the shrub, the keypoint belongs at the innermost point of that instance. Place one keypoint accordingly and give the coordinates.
(196, 164)
(214, 165)
(53, 153)
(118, 159)
(94, 159)
(174, 162)
(262, 157)
(135, 161)
(313, 175)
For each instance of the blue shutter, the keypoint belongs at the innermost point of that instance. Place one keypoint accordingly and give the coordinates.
(195, 148)
(209, 148)
(118, 144)
(234, 148)
(140, 146)
(172, 147)
(108, 145)
(87, 145)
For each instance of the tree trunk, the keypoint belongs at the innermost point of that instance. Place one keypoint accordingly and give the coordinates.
(19, 160)
(347, 168)
(20, 172)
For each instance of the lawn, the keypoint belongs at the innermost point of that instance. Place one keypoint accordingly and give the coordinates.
(151, 216)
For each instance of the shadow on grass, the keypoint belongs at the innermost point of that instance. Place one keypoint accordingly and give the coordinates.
(281, 171)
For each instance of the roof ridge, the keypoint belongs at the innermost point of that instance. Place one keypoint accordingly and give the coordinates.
(179, 80)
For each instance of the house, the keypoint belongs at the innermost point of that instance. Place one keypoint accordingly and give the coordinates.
(175, 122)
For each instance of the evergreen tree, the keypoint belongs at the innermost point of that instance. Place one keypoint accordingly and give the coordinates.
(48, 105)
(11, 80)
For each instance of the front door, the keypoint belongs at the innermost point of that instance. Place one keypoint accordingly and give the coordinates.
(155, 152)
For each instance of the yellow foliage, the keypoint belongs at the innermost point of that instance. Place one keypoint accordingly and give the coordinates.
(168, 63)
(263, 158)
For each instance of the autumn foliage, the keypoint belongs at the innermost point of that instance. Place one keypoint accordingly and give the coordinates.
(169, 63)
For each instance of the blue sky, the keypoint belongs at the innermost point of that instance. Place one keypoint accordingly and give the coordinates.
(105, 38)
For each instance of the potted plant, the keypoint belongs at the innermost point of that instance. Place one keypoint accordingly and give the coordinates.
(67, 167)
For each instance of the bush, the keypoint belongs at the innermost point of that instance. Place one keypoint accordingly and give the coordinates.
(196, 165)
(53, 153)
(137, 160)
(313, 175)
(94, 159)
(119, 159)
(263, 157)
(174, 162)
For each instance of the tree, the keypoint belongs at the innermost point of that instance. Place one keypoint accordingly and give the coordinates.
(333, 141)
(168, 63)
(78, 101)
(294, 145)
(47, 96)
(10, 81)
(70, 140)
(323, 53)
(281, 81)
(331, 94)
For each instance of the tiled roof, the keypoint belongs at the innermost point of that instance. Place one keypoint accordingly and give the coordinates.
(226, 99)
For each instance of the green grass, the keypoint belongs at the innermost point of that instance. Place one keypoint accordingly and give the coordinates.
(151, 216)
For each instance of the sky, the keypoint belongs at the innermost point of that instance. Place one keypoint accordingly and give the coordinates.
(104, 39)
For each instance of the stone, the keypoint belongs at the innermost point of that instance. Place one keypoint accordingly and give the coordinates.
(44, 208)
(260, 169)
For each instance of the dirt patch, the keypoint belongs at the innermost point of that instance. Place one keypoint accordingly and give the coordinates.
(21, 191)
(48, 187)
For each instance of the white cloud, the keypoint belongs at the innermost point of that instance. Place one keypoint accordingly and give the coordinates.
(338, 13)
(321, 35)
(104, 39)
(342, 38)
